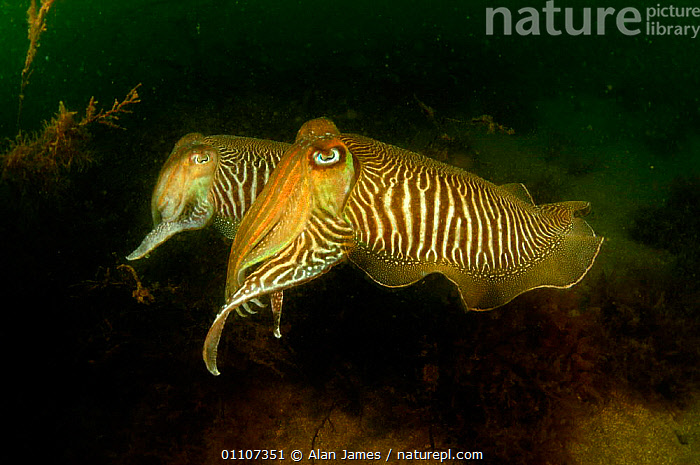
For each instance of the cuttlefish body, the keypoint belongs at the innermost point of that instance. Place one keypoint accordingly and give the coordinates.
(398, 216)
(205, 180)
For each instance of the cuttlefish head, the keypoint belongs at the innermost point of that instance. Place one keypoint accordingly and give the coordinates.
(313, 178)
(296, 229)
(181, 199)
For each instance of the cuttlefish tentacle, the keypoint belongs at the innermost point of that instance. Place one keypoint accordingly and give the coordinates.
(276, 302)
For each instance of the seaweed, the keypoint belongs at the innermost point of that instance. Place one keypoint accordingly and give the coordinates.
(41, 159)
(36, 20)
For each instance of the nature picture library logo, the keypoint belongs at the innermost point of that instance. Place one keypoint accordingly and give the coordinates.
(658, 20)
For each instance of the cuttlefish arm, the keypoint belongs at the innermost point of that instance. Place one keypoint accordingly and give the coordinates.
(295, 230)
(294, 265)
(181, 200)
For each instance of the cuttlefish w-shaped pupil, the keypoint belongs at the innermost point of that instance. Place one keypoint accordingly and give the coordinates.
(200, 158)
(327, 157)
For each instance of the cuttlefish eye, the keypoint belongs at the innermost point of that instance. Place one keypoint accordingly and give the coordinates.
(200, 158)
(327, 157)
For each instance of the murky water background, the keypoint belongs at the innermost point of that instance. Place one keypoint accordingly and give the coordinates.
(606, 372)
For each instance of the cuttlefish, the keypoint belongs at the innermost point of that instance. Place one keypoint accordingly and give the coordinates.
(208, 180)
(399, 217)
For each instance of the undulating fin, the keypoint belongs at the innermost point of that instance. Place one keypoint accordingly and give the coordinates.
(518, 190)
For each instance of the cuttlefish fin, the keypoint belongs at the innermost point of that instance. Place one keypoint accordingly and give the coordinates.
(519, 191)
(561, 264)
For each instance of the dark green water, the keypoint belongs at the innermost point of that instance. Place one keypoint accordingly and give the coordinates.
(612, 119)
